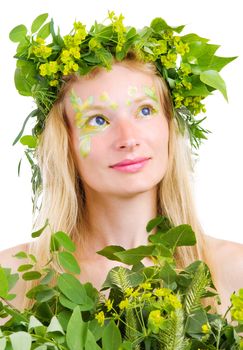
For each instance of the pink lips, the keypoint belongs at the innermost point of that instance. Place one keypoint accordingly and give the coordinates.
(130, 165)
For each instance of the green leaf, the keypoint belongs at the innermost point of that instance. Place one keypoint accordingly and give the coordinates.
(37, 23)
(48, 277)
(31, 275)
(133, 256)
(68, 262)
(32, 114)
(161, 221)
(18, 33)
(65, 241)
(181, 235)
(39, 232)
(25, 267)
(212, 78)
(109, 251)
(72, 288)
(91, 342)
(34, 323)
(45, 31)
(3, 284)
(111, 339)
(76, 331)
(54, 326)
(20, 340)
(3, 342)
(21, 255)
(195, 321)
(122, 278)
(29, 140)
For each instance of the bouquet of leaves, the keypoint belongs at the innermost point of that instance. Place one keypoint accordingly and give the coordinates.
(155, 307)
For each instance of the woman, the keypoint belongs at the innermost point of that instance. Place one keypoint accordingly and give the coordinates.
(112, 157)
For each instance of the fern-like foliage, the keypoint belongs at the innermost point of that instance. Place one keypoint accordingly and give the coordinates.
(132, 334)
(197, 289)
(172, 337)
(121, 278)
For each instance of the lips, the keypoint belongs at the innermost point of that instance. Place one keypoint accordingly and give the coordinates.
(129, 162)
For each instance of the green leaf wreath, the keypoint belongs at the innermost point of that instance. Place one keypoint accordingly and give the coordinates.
(155, 307)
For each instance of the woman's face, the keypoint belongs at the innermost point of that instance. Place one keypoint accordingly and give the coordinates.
(119, 132)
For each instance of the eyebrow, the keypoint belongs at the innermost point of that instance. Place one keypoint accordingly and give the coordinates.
(106, 106)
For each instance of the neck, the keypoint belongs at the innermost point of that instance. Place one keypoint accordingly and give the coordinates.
(118, 221)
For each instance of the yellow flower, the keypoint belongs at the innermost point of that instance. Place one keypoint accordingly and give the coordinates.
(162, 292)
(146, 285)
(74, 51)
(174, 301)
(206, 328)
(53, 82)
(146, 296)
(128, 291)
(109, 304)
(155, 321)
(100, 317)
(124, 304)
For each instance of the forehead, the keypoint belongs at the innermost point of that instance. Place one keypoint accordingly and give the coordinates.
(117, 83)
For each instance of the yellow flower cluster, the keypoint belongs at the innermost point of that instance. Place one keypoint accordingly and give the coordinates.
(119, 28)
(237, 306)
(40, 50)
(206, 329)
(100, 317)
(155, 321)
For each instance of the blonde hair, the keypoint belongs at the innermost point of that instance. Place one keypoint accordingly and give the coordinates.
(63, 197)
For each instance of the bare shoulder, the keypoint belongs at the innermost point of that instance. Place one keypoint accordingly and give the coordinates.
(227, 259)
(7, 256)
(224, 250)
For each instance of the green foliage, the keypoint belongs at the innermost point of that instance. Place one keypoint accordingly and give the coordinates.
(148, 308)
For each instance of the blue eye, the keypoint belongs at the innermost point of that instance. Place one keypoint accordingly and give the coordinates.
(97, 120)
(145, 111)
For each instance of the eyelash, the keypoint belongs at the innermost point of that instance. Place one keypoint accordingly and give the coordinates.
(151, 108)
(96, 116)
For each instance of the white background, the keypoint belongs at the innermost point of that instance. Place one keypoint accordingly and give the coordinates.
(218, 175)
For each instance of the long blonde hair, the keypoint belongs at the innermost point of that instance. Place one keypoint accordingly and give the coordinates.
(63, 197)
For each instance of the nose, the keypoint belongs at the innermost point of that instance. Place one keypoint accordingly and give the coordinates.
(127, 136)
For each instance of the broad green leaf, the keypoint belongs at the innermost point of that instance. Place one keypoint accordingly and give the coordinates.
(34, 322)
(109, 251)
(31, 275)
(20, 340)
(3, 284)
(198, 88)
(76, 331)
(168, 274)
(212, 78)
(3, 342)
(25, 267)
(21, 255)
(45, 31)
(87, 304)
(195, 321)
(111, 339)
(37, 23)
(72, 288)
(64, 241)
(25, 77)
(39, 232)
(133, 256)
(41, 347)
(29, 140)
(162, 222)
(181, 235)
(54, 326)
(68, 262)
(18, 33)
(91, 342)
(48, 277)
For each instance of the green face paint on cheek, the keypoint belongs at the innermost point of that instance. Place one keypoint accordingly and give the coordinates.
(82, 122)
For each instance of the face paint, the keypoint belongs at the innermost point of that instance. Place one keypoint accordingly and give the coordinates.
(104, 97)
(82, 122)
(132, 91)
(150, 92)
